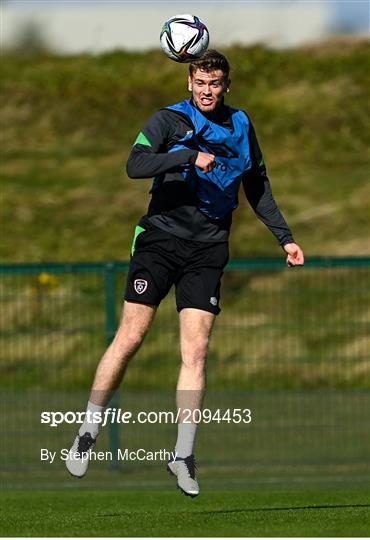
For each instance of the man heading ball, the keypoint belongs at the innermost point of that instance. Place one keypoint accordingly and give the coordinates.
(199, 152)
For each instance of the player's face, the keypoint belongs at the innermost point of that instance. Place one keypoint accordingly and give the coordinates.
(208, 89)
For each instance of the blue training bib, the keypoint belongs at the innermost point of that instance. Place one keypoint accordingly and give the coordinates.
(217, 191)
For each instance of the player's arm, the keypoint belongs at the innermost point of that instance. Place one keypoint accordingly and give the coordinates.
(257, 189)
(149, 156)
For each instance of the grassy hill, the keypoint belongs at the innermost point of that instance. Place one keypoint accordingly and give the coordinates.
(68, 124)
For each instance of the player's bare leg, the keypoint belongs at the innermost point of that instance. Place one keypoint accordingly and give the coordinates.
(195, 330)
(135, 323)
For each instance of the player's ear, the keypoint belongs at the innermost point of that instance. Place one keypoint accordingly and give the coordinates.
(228, 83)
(190, 85)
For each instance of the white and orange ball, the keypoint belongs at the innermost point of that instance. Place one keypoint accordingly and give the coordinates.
(184, 38)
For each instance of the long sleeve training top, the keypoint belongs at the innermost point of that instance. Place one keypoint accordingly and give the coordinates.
(173, 206)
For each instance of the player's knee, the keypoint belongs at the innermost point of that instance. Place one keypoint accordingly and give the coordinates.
(194, 354)
(129, 342)
(133, 341)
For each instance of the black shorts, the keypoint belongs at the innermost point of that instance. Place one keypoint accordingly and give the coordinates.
(160, 259)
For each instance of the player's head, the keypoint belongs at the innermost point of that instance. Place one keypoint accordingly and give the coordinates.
(209, 80)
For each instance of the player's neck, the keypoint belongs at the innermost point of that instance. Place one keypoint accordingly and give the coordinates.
(217, 114)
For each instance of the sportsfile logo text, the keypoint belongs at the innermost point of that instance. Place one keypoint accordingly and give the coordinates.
(113, 415)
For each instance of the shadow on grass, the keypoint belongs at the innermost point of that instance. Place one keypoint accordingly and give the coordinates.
(274, 509)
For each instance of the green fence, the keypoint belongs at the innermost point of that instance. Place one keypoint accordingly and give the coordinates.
(292, 345)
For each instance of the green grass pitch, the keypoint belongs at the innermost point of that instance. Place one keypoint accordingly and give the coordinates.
(164, 513)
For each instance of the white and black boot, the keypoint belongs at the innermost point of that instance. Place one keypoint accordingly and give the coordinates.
(77, 461)
(185, 470)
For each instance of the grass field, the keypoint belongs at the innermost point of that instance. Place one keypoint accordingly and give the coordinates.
(167, 513)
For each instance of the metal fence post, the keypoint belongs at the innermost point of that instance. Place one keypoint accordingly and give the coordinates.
(110, 330)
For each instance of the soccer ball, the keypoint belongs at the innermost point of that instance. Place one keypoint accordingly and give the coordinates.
(184, 38)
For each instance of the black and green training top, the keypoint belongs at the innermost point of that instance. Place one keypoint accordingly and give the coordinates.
(173, 206)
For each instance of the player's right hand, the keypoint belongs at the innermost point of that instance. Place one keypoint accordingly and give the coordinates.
(205, 162)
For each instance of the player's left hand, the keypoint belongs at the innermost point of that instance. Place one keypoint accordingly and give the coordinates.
(295, 255)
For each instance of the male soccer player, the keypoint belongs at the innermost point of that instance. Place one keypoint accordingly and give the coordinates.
(199, 151)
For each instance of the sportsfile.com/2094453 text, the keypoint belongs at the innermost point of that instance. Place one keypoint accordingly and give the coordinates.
(114, 415)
